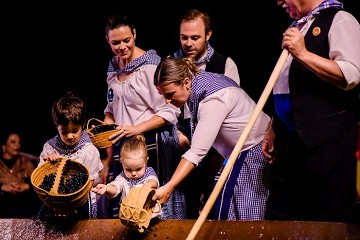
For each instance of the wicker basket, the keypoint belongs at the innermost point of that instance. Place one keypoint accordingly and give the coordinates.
(100, 134)
(55, 193)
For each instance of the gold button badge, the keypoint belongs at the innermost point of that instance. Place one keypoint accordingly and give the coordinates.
(316, 31)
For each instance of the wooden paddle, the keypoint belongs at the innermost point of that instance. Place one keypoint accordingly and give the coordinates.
(236, 151)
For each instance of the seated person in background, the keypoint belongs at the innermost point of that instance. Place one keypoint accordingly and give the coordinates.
(17, 196)
(135, 173)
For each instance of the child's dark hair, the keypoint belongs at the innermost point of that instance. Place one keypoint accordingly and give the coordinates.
(69, 109)
(135, 143)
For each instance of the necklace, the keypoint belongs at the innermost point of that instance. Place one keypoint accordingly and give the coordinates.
(9, 163)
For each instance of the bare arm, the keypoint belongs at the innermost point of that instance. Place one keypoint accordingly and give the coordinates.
(108, 189)
(128, 130)
(152, 123)
(109, 118)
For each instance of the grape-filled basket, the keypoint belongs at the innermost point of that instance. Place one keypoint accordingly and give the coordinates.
(62, 185)
(99, 132)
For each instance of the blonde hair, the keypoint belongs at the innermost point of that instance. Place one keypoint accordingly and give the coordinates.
(134, 144)
(175, 70)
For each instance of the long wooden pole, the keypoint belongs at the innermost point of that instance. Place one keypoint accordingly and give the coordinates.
(236, 151)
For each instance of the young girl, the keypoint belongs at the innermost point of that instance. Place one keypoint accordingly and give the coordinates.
(72, 141)
(133, 157)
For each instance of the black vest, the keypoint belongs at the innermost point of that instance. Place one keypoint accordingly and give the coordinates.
(216, 64)
(321, 110)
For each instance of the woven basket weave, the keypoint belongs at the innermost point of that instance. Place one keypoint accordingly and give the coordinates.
(137, 207)
(100, 134)
(61, 202)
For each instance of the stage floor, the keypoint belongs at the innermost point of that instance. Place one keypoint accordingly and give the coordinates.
(102, 229)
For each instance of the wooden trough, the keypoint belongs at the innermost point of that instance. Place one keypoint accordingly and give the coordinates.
(28, 229)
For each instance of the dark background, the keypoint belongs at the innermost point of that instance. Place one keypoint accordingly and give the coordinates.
(53, 48)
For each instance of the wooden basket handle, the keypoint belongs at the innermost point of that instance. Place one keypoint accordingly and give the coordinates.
(94, 119)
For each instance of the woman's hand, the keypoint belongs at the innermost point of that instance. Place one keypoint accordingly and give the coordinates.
(267, 147)
(124, 131)
(163, 193)
(15, 187)
(10, 187)
(22, 187)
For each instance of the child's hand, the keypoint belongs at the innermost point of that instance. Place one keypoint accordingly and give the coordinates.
(52, 158)
(100, 189)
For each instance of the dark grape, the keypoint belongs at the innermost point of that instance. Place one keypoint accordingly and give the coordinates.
(103, 128)
(48, 182)
(72, 179)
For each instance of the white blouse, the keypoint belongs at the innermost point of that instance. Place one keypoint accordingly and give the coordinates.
(222, 118)
(137, 99)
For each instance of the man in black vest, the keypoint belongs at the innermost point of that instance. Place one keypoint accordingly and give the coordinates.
(313, 135)
(195, 32)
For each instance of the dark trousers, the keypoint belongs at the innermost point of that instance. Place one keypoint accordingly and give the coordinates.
(315, 184)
